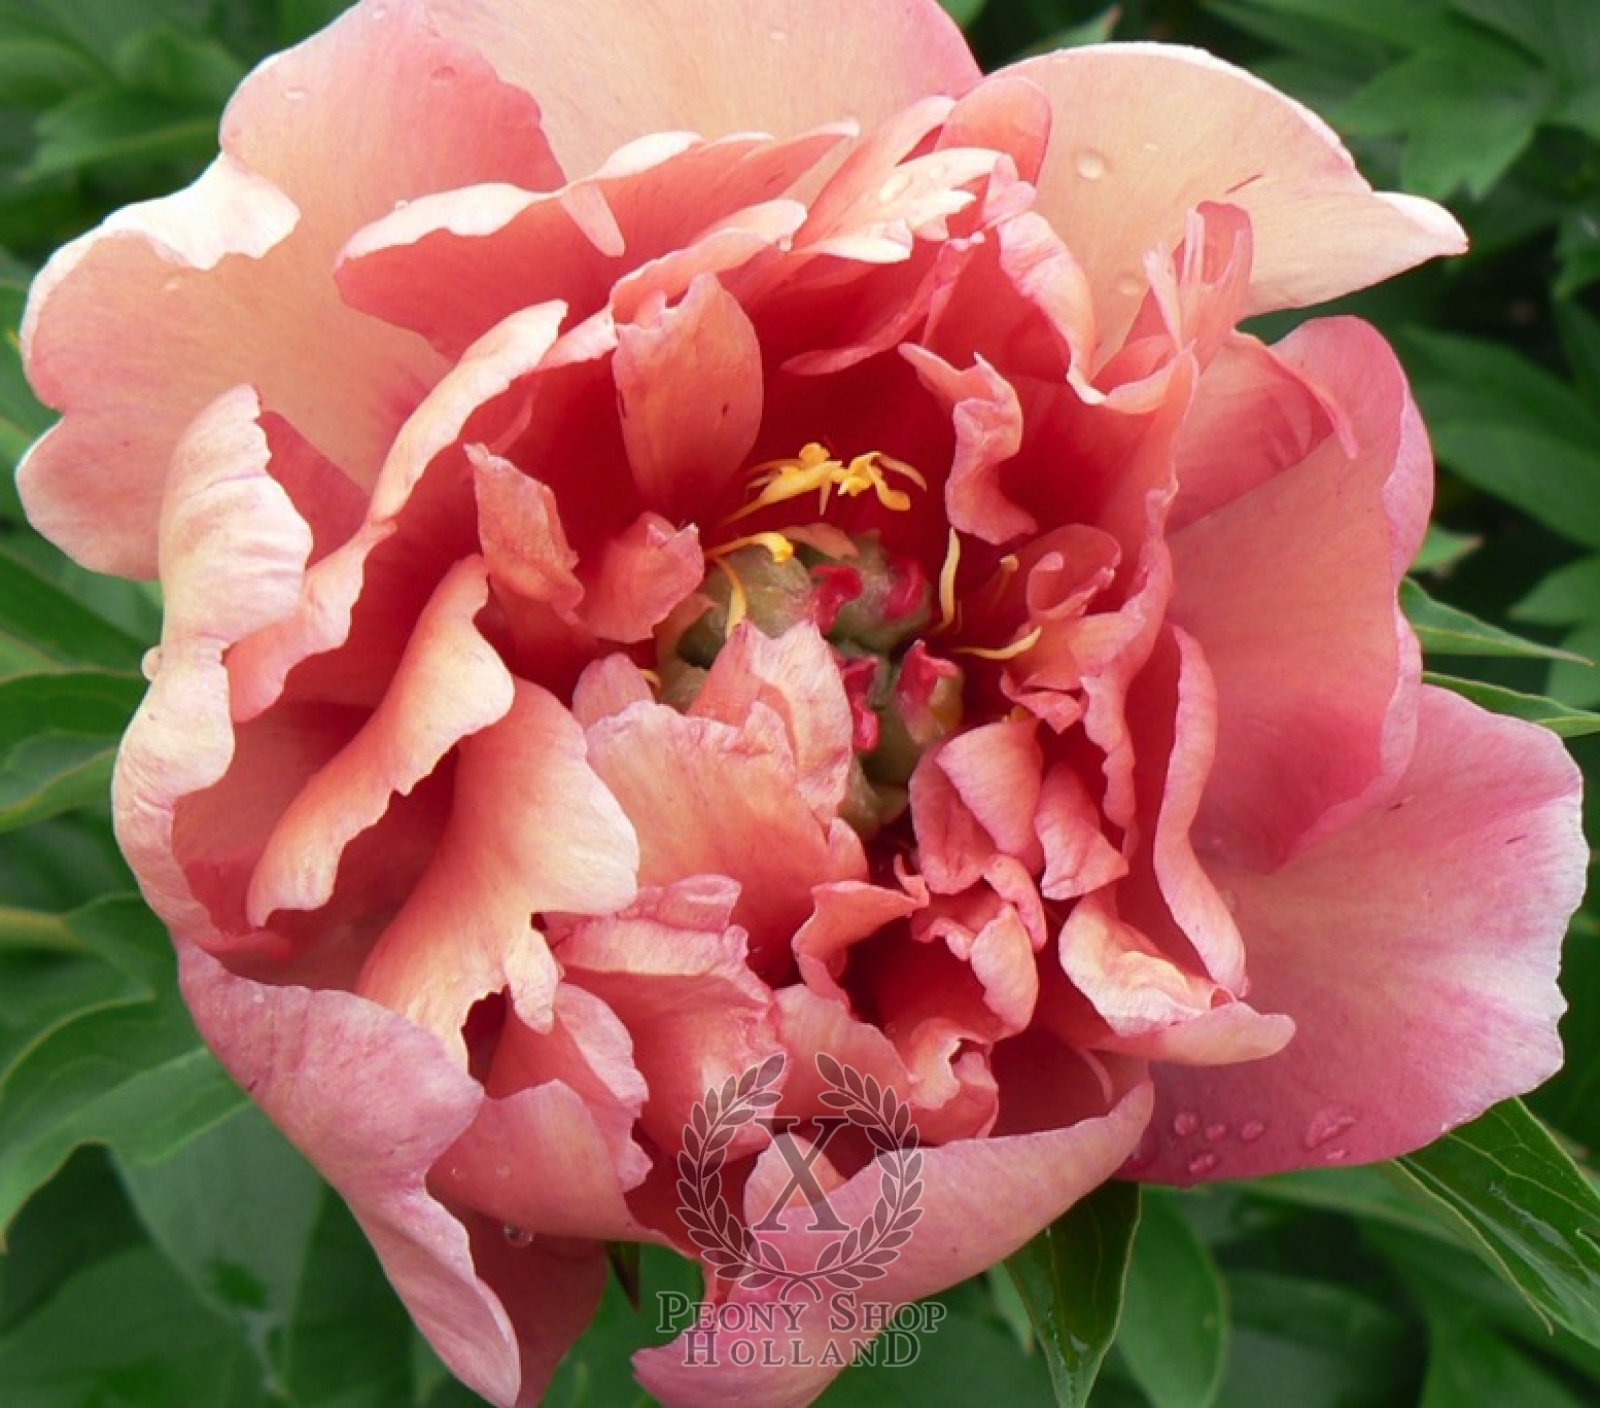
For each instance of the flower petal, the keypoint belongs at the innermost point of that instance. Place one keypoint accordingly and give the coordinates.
(1416, 951)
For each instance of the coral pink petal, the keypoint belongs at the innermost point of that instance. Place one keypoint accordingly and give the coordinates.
(697, 790)
(532, 829)
(1291, 586)
(1416, 951)
(981, 1200)
(638, 576)
(780, 66)
(322, 1065)
(1145, 133)
(235, 551)
(450, 684)
(689, 394)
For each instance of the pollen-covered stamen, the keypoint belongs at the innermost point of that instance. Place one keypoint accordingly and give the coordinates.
(777, 547)
(814, 469)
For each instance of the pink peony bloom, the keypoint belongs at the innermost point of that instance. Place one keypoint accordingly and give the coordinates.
(693, 533)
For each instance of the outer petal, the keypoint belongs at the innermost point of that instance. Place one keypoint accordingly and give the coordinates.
(235, 551)
(983, 1198)
(373, 1101)
(1290, 586)
(1416, 951)
(779, 66)
(252, 298)
(1143, 133)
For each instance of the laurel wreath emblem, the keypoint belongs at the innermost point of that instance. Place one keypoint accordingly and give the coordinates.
(733, 1251)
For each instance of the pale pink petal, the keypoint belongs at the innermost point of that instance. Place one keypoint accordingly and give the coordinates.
(1144, 133)
(241, 266)
(450, 685)
(689, 395)
(1416, 951)
(781, 66)
(322, 1065)
(235, 552)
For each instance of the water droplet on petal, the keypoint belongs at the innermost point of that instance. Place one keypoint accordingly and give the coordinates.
(1336, 1155)
(1327, 1125)
(1185, 1123)
(295, 94)
(1202, 1164)
(1252, 1130)
(1215, 1132)
(150, 662)
(517, 1236)
(778, 36)
(1128, 285)
(445, 73)
(1092, 165)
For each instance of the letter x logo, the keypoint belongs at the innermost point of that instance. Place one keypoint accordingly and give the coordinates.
(801, 1178)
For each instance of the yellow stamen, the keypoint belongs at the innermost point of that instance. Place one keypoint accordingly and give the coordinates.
(777, 481)
(947, 582)
(738, 603)
(1002, 652)
(778, 547)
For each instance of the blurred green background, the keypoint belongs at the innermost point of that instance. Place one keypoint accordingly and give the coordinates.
(165, 1248)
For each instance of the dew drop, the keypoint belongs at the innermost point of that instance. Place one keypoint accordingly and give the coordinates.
(778, 36)
(445, 73)
(1185, 1124)
(1336, 1155)
(402, 203)
(1092, 165)
(1144, 1153)
(1216, 1132)
(502, 1172)
(296, 94)
(1327, 1125)
(1252, 1130)
(1128, 285)
(517, 1236)
(150, 662)
(1202, 1164)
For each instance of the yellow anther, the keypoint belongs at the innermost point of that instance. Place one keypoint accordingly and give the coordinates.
(778, 547)
(1020, 646)
(947, 582)
(777, 481)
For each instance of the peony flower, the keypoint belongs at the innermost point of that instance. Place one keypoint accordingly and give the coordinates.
(699, 534)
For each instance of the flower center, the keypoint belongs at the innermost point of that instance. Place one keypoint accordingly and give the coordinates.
(870, 603)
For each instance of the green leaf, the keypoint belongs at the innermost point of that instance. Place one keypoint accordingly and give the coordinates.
(58, 740)
(1174, 1335)
(234, 1211)
(1072, 1277)
(42, 627)
(1563, 720)
(133, 1075)
(1445, 630)
(1580, 339)
(1525, 1206)
(963, 12)
(1441, 548)
(1468, 107)
(1511, 429)
(119, 125)
(1568, 595)
(1469, 1365)
(1564, 35)
(1312, 1344)
(127, 1333)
